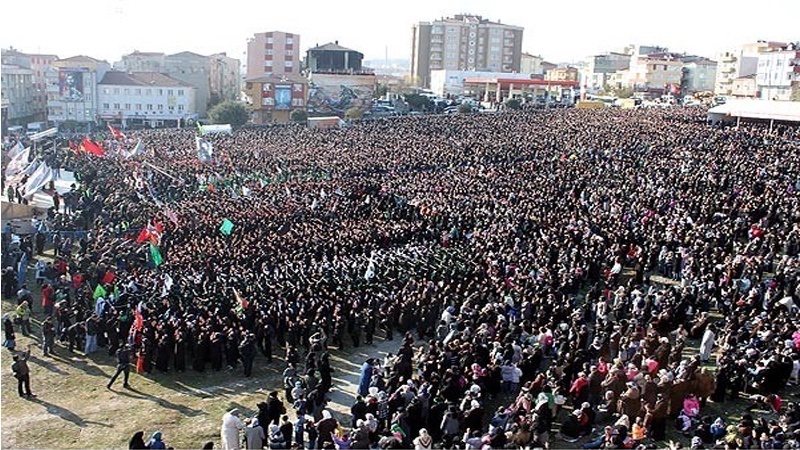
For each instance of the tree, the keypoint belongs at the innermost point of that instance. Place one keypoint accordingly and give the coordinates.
(624, 92)
(464, 108)
(234, 113)
(353, 113)
(381, 90)
(418, 102)
(513, 103)
(299, 115)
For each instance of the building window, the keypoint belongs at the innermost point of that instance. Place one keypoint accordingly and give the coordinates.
(138, 106)
(171, 108)
(180, 92)
(268, 52)
(267, 63)
(128, 106)
(289, 52)
(270, 40)
(287, 64)
(106, 91)
(180, 107)
(116, 107)
(169, 92)
(160, 107)
(105, 105)
(116, 91)
(288, 70)
(137, 91)
(289, 41)
(149, 106)
(148, 91)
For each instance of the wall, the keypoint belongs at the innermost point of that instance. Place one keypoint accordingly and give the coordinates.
(335, 94)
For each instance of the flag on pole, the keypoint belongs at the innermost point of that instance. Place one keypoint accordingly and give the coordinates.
(14, 151)
(239, 299)
(205, 150)
(41, 176)
(172, 216)
(155, 255)
(226, 228)
(199, 127)
(88, 146)
(116, 133)
(19, 163)
(137, 149)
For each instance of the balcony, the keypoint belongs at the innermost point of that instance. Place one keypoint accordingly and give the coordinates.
(728, 59)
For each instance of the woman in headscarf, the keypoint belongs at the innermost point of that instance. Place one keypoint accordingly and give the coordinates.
(423, 441)
(325, 427)
(229, 434)
(137, 441)
(156, 441)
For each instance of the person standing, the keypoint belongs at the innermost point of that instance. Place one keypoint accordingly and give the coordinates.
(48, 335)
(23, 312)
(22, 373)
(229, 434)
(248, 351)
(123, 365)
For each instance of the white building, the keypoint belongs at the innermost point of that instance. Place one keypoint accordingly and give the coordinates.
(778, 73)
(72, 91)
(739, 62)
(451, 82)
(145, 98)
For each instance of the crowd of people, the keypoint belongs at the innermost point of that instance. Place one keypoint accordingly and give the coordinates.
(542, 271)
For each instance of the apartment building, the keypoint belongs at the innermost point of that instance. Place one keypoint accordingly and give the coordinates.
(273, 53)
(145, 98)
(464, 42)
(778, 73)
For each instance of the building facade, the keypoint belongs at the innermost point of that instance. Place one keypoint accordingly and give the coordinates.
(562, 74)
(333, 58)
(739, 62)
(145, 98)
(464, 42)
(599, 69)
(273, 53)
(214, 77)
(273, 97)
(699, 75)
(778, 73)
(24, 85)
(451, 82)
(744, 87)
(72, 91)
(653, 72)
(531, 64)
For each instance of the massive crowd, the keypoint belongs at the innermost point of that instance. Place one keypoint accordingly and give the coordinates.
(513, 255)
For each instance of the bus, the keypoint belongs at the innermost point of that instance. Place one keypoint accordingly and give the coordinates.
(607, 100)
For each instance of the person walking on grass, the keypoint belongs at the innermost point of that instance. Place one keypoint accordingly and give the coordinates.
(123, 365)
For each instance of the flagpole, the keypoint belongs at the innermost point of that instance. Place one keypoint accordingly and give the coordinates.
(160, 170)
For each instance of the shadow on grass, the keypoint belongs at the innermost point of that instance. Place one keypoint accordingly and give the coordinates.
(47, 365)
(66, 414)
(137, 394)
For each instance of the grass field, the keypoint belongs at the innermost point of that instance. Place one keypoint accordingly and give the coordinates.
(73, 408)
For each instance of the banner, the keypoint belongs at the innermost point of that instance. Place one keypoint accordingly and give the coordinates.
(19, 163)
(205, 150)
(41, 176)
(226, 228)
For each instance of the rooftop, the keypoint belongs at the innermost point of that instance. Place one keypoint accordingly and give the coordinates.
(141, 79)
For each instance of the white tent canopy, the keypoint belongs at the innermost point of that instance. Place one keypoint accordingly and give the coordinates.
(220, 128)
(736, 109)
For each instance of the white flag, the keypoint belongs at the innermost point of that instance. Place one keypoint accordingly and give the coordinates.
(137, 149)
(14, 151)
(41, 176)
(19, 163)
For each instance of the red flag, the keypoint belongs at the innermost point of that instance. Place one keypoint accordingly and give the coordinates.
(116, 133)
(159, 227)
(241, 299)
(74, 147)
(138, 320)
(144, 236)
(89, 146)
(108, 278)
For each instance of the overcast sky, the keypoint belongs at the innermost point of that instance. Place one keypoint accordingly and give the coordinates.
(560, 31)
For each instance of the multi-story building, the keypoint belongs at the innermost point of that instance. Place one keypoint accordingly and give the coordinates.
(739, 62)
(653, 72)
(72, 91)
(25, 80)
(16, 88)
(273, 53)
(599, 68)
(145, 98)
(778, 73)
(273, 97)
(562, 74)
(214, 77)
(464, 42)
(333, 58)
(744, 87)
(699, 74)
(531, 64)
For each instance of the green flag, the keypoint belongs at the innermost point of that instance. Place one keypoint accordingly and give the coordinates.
(226, 228)
(155, 255)
(99, 291)
(199, 127)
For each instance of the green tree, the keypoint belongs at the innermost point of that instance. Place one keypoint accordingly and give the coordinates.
(513, 103)
(418, 102)
(234, 113)
(299, 115)
(464, 108)
(353, 113)
(624, 92)
(381, 90)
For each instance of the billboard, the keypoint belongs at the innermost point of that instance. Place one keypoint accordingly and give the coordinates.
(335, 94)
(283, 97)
(70, 84)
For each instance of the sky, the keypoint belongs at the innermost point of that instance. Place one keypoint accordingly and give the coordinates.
(559, 31)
